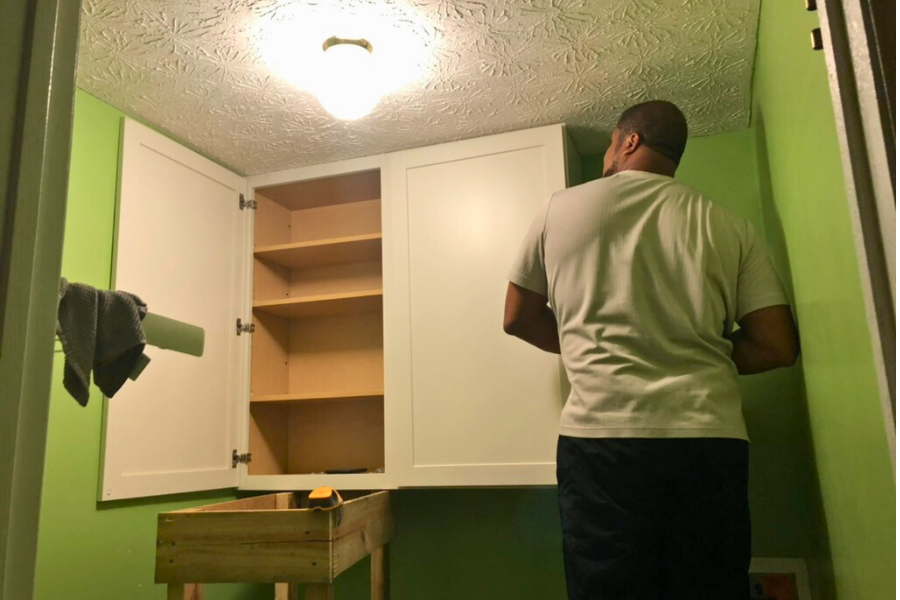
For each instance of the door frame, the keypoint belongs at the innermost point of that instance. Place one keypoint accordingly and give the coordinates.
(864, 119)
(38, 48)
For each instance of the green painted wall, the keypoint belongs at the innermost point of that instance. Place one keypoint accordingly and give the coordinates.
(803, 195)
(86, 550)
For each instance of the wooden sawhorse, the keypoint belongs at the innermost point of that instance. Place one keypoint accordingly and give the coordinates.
(270, 538)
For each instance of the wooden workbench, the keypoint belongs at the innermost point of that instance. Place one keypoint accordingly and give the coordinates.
(273, 539)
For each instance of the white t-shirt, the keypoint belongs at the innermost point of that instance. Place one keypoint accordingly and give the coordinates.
(645, 276)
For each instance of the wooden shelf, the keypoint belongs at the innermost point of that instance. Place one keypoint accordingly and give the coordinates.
(328, 305)
(326, 191)
(315, 397)
(350, 249)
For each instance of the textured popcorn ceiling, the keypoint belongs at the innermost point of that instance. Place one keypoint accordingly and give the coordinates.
(193, 69)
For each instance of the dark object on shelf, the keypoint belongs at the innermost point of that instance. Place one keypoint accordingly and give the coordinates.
(346, 471)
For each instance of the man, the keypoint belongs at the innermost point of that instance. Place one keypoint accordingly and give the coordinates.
(645, 280)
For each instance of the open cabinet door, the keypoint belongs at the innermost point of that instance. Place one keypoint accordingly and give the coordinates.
(181, 247)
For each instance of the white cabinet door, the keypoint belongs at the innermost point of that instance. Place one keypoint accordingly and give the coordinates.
(472, 405)
(182, 247)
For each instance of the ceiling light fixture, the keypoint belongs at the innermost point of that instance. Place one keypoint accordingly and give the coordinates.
(346, 87)
(376, 48)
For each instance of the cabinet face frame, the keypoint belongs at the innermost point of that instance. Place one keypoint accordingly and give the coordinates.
(368, 481)
(398, 326)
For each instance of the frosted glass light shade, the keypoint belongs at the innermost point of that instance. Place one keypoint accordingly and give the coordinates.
(347, 86)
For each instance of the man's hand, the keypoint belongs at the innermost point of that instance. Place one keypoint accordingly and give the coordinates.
(528, 317)
(767, 340)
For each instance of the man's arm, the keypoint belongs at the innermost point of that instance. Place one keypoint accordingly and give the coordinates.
(767, 340)
(528, 317)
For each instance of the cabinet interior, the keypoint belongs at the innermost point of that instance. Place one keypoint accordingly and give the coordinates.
(317, 358)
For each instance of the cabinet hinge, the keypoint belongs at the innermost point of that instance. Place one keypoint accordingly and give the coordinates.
(240, 459)
(248, 204)
(242, 327)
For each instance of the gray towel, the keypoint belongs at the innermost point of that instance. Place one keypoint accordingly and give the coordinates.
(101, 331)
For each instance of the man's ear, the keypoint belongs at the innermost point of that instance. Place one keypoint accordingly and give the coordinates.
(631, 143)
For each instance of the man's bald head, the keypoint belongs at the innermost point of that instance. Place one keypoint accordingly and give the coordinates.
(660, 124)
(657, 125)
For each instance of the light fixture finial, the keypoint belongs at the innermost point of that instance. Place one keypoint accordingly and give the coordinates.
(335, 40)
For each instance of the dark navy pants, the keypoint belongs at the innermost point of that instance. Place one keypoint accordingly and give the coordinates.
(654, 519)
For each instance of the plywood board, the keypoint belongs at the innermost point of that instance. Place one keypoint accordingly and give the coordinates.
(269, 347)
(282, 398)
(346, 249)
(339, 355)
(336, 435)
(336, 279)
(271, 223)
(358, 218)
(268, 443)
(352, 187)
(325, 305)
(270, 281)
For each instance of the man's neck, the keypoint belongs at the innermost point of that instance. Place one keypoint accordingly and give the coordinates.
(644, 169)
(651, 162)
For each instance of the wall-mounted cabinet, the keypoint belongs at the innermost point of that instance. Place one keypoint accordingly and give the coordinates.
(317, 353)
(375, 289)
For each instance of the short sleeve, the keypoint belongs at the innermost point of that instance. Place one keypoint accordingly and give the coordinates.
(758, 284)
(528, 269)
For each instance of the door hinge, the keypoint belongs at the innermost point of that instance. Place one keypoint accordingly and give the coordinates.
(248, 204)
(244, 327)
(240, 459)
